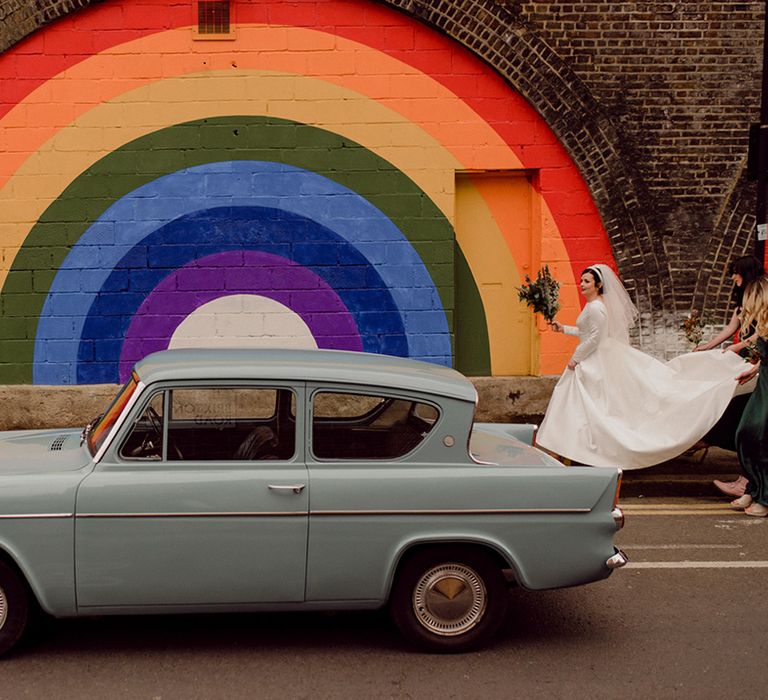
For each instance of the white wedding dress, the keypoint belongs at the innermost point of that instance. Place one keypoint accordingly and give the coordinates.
(621, 407)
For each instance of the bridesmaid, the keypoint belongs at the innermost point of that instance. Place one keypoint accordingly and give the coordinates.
(752, 433)
(743, 271)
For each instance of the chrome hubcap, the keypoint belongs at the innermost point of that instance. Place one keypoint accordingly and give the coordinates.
(3, 608)
(449, 599)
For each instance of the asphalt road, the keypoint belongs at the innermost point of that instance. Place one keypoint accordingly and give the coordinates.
(686, 618)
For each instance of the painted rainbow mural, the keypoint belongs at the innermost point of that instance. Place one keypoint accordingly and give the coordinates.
(337, 175)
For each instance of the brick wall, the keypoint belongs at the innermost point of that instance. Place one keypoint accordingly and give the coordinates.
(681, 83)
(18, 18)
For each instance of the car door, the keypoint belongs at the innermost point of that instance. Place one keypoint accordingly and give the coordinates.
(367, 487)
(202, 499)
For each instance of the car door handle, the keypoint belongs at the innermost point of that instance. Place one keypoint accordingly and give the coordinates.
(296, 488)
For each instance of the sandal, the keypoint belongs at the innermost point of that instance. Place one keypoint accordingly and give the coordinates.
(743, 502)
(757, 510)
(732, 488)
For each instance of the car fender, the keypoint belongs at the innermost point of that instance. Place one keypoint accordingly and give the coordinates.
(493, 547)
(37, 535)
(52, 583)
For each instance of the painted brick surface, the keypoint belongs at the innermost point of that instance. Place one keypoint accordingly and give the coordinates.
(631, 116)
(133, 219)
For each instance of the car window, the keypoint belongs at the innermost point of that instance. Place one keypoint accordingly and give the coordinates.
(209, 406)
(145, 440)
(219, 424)
(367, 426)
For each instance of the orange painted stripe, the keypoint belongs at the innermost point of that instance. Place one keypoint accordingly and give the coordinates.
(397, 86)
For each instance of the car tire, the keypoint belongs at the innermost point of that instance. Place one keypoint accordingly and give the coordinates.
(449, 599)
(14, 607)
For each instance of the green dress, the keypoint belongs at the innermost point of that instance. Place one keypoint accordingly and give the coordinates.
(752, 433)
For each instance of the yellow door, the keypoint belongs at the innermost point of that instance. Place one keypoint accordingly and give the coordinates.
(495, 232)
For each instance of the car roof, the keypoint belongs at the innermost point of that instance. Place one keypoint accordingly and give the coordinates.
(337, 366)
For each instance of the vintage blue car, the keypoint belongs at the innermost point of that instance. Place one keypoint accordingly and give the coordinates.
(244, 480)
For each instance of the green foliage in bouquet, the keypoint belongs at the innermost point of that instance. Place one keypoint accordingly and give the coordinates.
(541, 294)
(693, 326)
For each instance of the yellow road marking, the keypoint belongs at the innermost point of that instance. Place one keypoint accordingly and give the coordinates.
(679, 509)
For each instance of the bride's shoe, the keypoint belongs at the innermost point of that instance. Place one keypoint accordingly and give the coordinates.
(743, 502)
(757, 510)
(732, 488)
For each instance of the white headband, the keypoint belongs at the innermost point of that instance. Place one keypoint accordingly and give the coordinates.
(596, 273)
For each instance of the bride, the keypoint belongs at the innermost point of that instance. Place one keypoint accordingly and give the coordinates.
(617, 406)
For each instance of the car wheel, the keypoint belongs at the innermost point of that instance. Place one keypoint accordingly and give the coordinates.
(449, 599)
(14, 607)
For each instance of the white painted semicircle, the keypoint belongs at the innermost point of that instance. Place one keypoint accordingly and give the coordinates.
(243, 321)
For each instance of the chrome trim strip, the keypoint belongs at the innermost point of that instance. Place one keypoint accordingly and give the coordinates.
(225, 514)
(453, 511)
(338, 513)
(34, 516)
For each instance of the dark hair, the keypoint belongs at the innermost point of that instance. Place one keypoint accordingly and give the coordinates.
(595, 276)
(750, 268)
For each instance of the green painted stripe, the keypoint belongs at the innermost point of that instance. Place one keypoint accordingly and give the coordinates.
(197, 143)
(472, 351)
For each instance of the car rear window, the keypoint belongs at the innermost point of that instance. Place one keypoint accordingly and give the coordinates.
(351, 426)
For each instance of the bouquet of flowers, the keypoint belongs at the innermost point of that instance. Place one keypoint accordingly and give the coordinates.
(541, 294)
(751, 353)
(693, 326)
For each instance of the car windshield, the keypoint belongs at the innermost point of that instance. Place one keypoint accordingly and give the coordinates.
(96, 431)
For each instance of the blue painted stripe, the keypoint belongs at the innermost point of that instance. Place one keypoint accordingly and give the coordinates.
(116, 239)
(206, 233)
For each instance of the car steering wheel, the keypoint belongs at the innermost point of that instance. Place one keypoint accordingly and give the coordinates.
(155, 421)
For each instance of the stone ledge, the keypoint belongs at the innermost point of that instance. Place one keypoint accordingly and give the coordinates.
(501, 400)
(513, 399)
(31, 406)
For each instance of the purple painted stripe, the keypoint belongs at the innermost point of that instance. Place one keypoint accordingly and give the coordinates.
(238, 272)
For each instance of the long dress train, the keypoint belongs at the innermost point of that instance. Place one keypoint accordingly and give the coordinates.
(621, 407)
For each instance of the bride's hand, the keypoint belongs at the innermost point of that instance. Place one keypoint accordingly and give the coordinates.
(571, 364)
(557, 327)
(744, 377)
